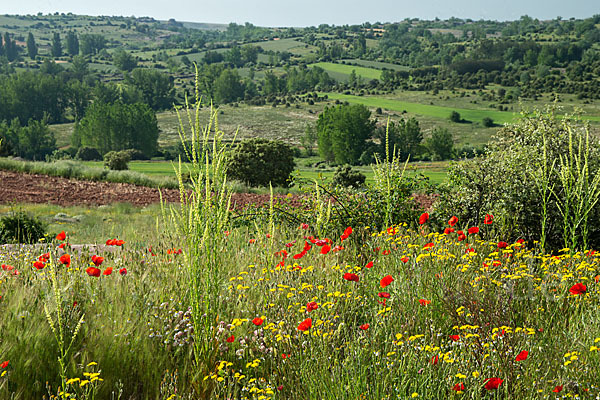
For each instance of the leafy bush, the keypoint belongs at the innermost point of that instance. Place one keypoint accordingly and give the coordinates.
(135, 154)
(116, 160)
(86, 153)
(20, 227)
(260, 161)
(537, 177)
(488, 122)
(347, 177)
(455, 116)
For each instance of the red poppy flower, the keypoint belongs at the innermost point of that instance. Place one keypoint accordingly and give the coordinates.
(108, 271)
(473, 230)
(305, 325)
(364, 327)
(522, 356)
(434, 360)
(502, 245)
(119, 242)
(461, 237)
(111, 242)
(488, 219)
(230, 339)
(65, 259)
(386, 280)
(44, 257)
(452, 221)
(558, 389)
(37, 264)
(386, 252)
(369, 264)
(351, 277)
(311, 306)
(404, 259)
(280, 388)
(454, 338)
(448, 231)
(424, 302)
(251, 241)
(325, 249)
(61, 236)
(307, 247)
(4, 364)
(597, 278)
(97, 260)
(423, 218)
(123, 271)
(258, 321)
(299, 255)
(578, 288)
(346, 233)
(62, 245)
(459, 387)
(493, 383)
(428, 246)
(304, 226)
(384, 295)
(93, 271)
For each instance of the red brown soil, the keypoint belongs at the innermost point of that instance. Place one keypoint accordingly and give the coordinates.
(42, 189)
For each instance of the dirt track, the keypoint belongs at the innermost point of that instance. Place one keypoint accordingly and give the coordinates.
(33, 188)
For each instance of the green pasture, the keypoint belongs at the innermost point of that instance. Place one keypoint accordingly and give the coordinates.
(499, 117)
(376, 64)
(342, 71)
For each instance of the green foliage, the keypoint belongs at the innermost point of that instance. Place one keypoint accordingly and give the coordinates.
(32, 142)
(403, 137)
(156, 88)
(117, 160)
(123, 60)
(32, 48)
(260, 162)
(487, 122)
(20, 227)
(119, 126)
(86, 153)
(440, 144)
(72, 44)
(343, 132)
(56, 47)
(519, 180)
(455, 117)
(347, 177)
(91, 43)
(228, 87)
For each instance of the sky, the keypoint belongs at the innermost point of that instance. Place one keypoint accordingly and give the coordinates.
(275, 13)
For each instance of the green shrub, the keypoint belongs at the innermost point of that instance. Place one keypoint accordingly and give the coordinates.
(116, 160)
(347, 177)
(488, 122)
(518, 180)
(86, 153)
(257, 162)
(20, 227)
(455, 116)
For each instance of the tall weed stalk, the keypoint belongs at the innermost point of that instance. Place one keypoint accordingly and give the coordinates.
(202, 222)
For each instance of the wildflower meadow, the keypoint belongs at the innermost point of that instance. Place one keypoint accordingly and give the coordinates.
(317, 302)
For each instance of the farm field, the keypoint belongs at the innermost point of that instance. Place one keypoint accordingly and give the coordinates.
(341, 72)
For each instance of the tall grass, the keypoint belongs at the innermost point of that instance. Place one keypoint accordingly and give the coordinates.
(76, 170)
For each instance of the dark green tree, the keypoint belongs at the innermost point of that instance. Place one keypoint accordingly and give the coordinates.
(124, 61)
(403, 138)
(10, 48)
(118, 126)
(228, 87)
(343, 132)
(72, 44)
(440, 144)
(91, 43)
(36, 140)
(56, 48)
(156, 88)
(32, 48)
(258, 162)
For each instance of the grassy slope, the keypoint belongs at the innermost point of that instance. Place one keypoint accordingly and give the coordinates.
(342, 71)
